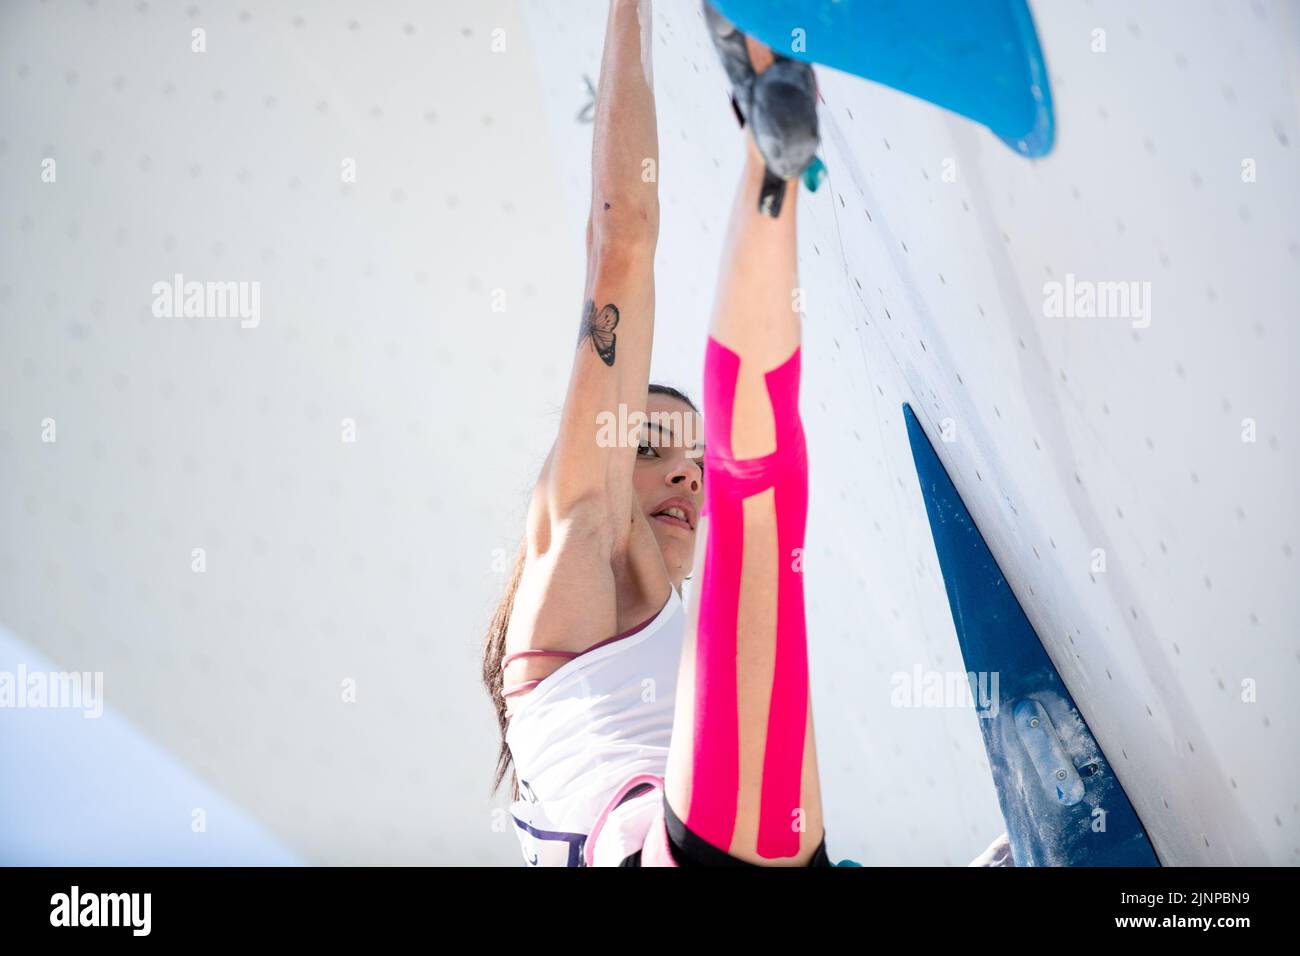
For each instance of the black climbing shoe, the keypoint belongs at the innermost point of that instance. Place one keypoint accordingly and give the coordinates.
(779, 105)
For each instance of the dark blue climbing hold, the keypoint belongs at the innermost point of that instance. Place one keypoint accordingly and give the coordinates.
(1061, 800)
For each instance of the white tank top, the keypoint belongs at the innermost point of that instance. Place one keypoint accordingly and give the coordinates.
(596, 720)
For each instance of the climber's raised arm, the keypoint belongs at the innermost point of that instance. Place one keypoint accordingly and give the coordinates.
(586, 477)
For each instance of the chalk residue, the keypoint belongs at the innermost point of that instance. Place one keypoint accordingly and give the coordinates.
(645, 17)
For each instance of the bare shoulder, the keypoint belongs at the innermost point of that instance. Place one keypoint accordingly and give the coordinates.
(568, 600)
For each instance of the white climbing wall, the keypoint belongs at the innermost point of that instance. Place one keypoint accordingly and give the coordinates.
(1070, 436)
(377, 561)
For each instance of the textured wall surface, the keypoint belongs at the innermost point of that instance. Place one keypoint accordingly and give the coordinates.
(433, 301)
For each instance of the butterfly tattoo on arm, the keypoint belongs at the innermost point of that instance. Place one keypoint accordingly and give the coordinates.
(599, 328)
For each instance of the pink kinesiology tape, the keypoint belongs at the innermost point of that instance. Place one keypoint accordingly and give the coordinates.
(728, 481)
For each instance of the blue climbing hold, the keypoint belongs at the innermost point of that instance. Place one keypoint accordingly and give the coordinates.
(1060, 797)
(814, 173)
(981, 60)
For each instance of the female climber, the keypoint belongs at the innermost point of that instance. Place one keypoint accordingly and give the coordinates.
(644, 732)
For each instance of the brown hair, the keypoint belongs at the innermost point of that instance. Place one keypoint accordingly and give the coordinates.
(494, 647)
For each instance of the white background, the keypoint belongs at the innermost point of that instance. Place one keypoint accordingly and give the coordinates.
(374, 561)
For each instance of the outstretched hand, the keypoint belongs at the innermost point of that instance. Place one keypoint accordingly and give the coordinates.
(998, 854)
